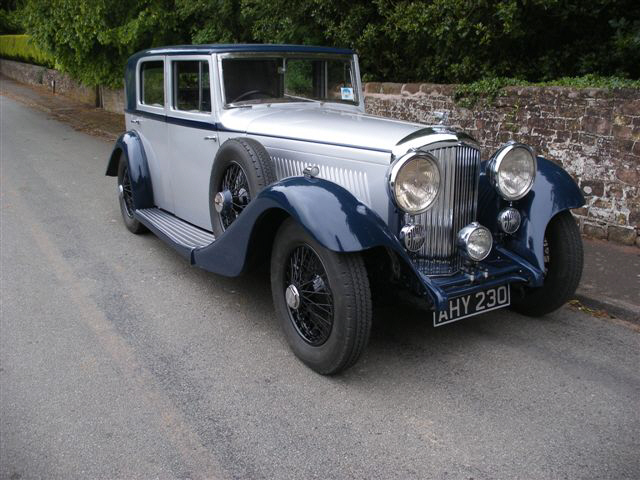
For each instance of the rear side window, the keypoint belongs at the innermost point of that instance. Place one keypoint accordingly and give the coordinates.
(191, 91)
(152, 83)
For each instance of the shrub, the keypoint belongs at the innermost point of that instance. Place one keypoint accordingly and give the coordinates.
(21, 48)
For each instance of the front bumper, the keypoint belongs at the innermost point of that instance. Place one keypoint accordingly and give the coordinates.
(501, 268)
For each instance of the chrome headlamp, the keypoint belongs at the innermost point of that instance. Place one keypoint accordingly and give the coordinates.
(414, 182)
(512, 170)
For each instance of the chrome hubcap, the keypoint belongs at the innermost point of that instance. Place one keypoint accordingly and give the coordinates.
(292, 296)
(218, 202)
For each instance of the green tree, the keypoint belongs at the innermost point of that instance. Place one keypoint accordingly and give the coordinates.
(398, 40)
(92, 39)
(10, 18)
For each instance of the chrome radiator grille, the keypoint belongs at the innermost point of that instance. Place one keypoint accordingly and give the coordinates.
(455, 207)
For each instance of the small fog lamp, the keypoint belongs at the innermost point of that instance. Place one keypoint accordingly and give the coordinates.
(413, 237)
(509, 220)
(475, 241)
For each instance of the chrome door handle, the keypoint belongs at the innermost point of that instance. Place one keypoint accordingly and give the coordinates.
(211, 137)
(135, 120)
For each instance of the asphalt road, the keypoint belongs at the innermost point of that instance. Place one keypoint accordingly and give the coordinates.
(119, 360)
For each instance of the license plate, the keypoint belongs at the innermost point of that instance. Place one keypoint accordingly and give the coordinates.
(473, 304)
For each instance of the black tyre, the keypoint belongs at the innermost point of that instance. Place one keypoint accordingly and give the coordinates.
(241, 169)
(322, 299)
(563, 268)
(125, 198)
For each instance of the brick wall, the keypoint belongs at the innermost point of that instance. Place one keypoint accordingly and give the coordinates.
(593, 133)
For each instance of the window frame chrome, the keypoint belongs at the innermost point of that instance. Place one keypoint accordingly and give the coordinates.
(170, 108)
(140, 105)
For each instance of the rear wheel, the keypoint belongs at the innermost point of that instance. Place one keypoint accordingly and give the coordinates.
(125, 198)
(322, 299)
(563, 268)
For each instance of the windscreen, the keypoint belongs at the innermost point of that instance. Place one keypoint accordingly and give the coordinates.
(258, 80)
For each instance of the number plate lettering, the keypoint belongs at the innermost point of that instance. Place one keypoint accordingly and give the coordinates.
(473, 304)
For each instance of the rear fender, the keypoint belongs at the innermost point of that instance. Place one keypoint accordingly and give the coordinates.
(130, 145)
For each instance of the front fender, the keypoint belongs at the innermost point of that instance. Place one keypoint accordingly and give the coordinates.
(331, 215)
(130, 145)
(553, 191)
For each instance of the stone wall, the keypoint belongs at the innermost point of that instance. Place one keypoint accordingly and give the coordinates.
(593, 133)
(112, 100)
(60, 83)
(51, 79)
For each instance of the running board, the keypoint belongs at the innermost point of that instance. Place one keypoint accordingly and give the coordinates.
(181, 235)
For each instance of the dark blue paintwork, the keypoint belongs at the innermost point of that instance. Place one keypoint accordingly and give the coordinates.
(221, 128)
(130, 144)
(130, 72)
(339, 222)
(332, 215)
(553, 192)
(183, 122)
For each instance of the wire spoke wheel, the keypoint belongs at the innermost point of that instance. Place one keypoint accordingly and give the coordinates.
(125, 198)
(127, 192)
(309, 298)
(322, 299)
(241, 169)
(235, 181)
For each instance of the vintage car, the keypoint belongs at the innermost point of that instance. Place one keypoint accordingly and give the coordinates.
(236, 154)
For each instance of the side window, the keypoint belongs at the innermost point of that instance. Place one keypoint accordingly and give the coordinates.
(191, 92)
(152, 83)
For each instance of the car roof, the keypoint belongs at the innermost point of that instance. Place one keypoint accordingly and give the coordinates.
(239, 47)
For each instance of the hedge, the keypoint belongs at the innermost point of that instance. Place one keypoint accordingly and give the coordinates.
(20, 48)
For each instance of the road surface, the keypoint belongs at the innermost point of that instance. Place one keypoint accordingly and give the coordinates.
(119, 360)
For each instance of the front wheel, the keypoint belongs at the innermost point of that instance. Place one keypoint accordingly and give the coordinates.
(563, 259)
(322, 299)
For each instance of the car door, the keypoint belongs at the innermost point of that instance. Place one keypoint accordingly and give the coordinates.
(192, 133)
(149, 120)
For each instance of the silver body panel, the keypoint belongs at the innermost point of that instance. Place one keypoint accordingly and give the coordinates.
(154, 135)
(350, 148)
(191, 157)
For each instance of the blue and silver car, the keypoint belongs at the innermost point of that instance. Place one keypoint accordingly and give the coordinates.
(236, 154)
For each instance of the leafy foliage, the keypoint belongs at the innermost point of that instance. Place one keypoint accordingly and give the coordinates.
(488, 89)
(448, 41)
(10, 21)
(20, 48)
(92, 39)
